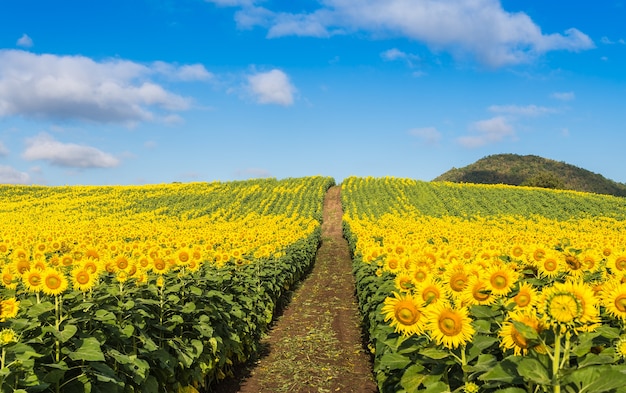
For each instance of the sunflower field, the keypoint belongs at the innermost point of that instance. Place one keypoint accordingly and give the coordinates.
(156, 288)
(489, 288)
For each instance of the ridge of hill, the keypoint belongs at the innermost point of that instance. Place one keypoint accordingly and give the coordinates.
(535, 171)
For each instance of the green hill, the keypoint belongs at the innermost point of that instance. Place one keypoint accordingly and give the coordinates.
(534, 171)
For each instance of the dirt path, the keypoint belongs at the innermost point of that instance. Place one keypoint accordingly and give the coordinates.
(316, 345)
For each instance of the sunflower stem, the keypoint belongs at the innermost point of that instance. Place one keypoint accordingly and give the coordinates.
(566, 350)
(556, 361)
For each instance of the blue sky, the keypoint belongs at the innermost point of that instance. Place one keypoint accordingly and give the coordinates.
(155, 91)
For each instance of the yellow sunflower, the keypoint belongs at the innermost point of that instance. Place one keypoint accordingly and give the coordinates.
(159, 266)
(526, 297)
(569, 306)
(32, 280)
(511, 338)
(614, 300)
(8, 278)
(477, 292)
(54, 282)
(83, 279)
(405, 312)
(7, 336)
(431, 292)
(551, 266)
(183, 257)
(501, 280)
(404, 282)
(9, 308)
(457, 281)
(449, 326)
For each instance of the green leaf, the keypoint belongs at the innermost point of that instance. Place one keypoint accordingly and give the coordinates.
(511, 390)
(67, 333)
(412, 377)
(504, 371)
(89, 350)
(532, 370)
(435, 353)
(437, 387)
(394, 361)
(41, 308)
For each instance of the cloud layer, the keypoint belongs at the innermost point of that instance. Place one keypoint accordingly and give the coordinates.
(479, 28)
(77, 87)
(45, 147)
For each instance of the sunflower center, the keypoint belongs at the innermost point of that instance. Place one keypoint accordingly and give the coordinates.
(458, 281)
(420, 275)
(407, 314)
(522, 299)
(53, 282)
(518, 339)
(393, 264)
(517, 252)
(122, 263)
(479, 293)
(620, 303)
(82, 277)
(550, 265)
(499, 281)
(430, 295)
(34, 280)
(573, 262)
(620, 263)
(450, 324)
(564, 308)
(183, 257)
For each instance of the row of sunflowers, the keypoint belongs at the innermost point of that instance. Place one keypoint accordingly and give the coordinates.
(146, 288)
(468, 288)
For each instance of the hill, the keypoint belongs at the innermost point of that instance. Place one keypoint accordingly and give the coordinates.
(530, 170)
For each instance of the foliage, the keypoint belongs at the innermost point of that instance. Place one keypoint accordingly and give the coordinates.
(532, 170)
(146, 288)
(540, 279)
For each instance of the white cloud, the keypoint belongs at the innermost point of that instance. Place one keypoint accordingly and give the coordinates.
(480, 28)
(271, 87)
(564, 96)
(231, 3)
(487, 131)
(9, 175)
(77, 87)
(3, 150)
(605, 40)
(25, 41)
(45, 147)
(516, 110)
(429, 135)
(396, 54)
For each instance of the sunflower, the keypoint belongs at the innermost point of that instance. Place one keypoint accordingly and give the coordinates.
(584, 292)
(569, 306)
(83, 279)
(8, 278)
(620, 347)
(477, 292)
(551, 266)
(392, 264)
(54, 282)
(21, 265)
(420, 274)
(405, 312)
(9, 308)
(449, 326)
(614, 300)
(159, 266)
(513, 338)
(526, 297)
(501, 279)
(183, 257)
(404, 282)
(617, 263)
(7, 336)
(431, 292)
(457, 281)
(32, 280)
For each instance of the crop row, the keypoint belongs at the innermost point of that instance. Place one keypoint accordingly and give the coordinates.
(146, 288)
(468, 288)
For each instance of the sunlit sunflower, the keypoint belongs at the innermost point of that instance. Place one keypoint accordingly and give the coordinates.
(32, 280)
(404, 282)
(551, 265)
(419, 274)
(7, 336)
(159, 266)
(53, 281)
(392, 264)
(21, 265)
(526, 297)
(82, 279)
(183, 257)
(92, 253)
(431, 292)
(477, 292)
(67, 259)
(448, 326)
(9, 308)
(568, 306)
(620, 347)
(614, 300)
(500, 279)
(617, 263)
(457, 281)
(511, 338)
(405, 312)
(9, 280)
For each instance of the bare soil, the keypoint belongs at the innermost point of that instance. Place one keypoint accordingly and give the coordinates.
(316, 345)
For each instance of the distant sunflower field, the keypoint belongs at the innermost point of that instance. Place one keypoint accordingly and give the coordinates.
(476, 288)
(146, 288)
